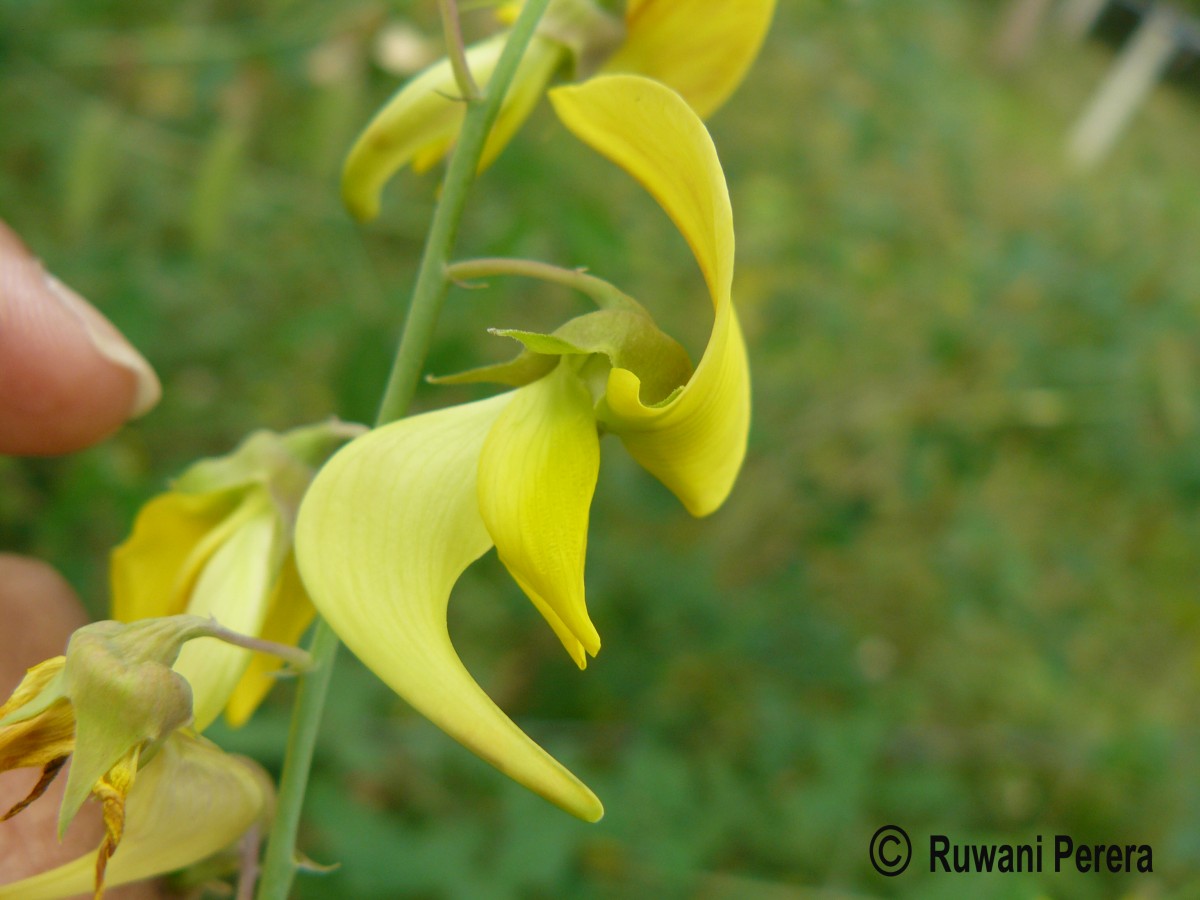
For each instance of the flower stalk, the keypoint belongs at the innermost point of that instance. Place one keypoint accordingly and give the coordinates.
(298, 660)
(601, 292)
(279, 866)
(457, 51)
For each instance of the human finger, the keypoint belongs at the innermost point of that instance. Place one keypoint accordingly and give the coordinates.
(68, 378)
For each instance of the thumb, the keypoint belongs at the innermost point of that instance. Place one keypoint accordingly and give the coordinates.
(67, 376)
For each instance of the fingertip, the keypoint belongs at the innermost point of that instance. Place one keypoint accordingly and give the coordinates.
(68, 378)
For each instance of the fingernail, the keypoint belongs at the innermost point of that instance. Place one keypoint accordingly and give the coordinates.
(111, 344)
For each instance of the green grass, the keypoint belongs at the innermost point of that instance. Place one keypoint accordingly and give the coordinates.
(956, 586)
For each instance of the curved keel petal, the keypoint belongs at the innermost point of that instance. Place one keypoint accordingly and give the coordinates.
(385, 531)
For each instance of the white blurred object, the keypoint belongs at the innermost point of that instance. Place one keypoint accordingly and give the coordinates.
(402, 50)
(1137, 69)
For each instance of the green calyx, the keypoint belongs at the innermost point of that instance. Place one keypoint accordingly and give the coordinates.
(124, 694)
(622, 338)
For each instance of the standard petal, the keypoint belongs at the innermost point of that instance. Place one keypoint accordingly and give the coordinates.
(190, 801)
(695, 441)
(537, 474)
(701, 48)
(647, 130)
(173, 536)
(235, 589)
(290, 613)
(384, 533)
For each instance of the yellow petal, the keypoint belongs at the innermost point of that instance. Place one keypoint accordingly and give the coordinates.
(421, 122)
(701, 48)
(235, 589)
(153, 570)
(289, 614)
(384, 532)
(39, 740)
(189, 802)
(537, 474)
(648, 131)
(695, 441)
(37, 679)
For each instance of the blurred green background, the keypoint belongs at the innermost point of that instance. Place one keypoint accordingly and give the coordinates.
(956, 586)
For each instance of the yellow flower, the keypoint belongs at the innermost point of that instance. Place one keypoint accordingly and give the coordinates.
(394, 518)
(219, 544)
(112, 704)
(701, 48)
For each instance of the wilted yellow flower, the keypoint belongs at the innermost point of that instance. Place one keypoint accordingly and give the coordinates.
(110, 705)
(219, 544)
(395, 517)
(190, 801)
(701, 48)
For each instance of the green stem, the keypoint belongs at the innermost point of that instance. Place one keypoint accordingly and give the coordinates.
(431, 284)
(279, 866)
